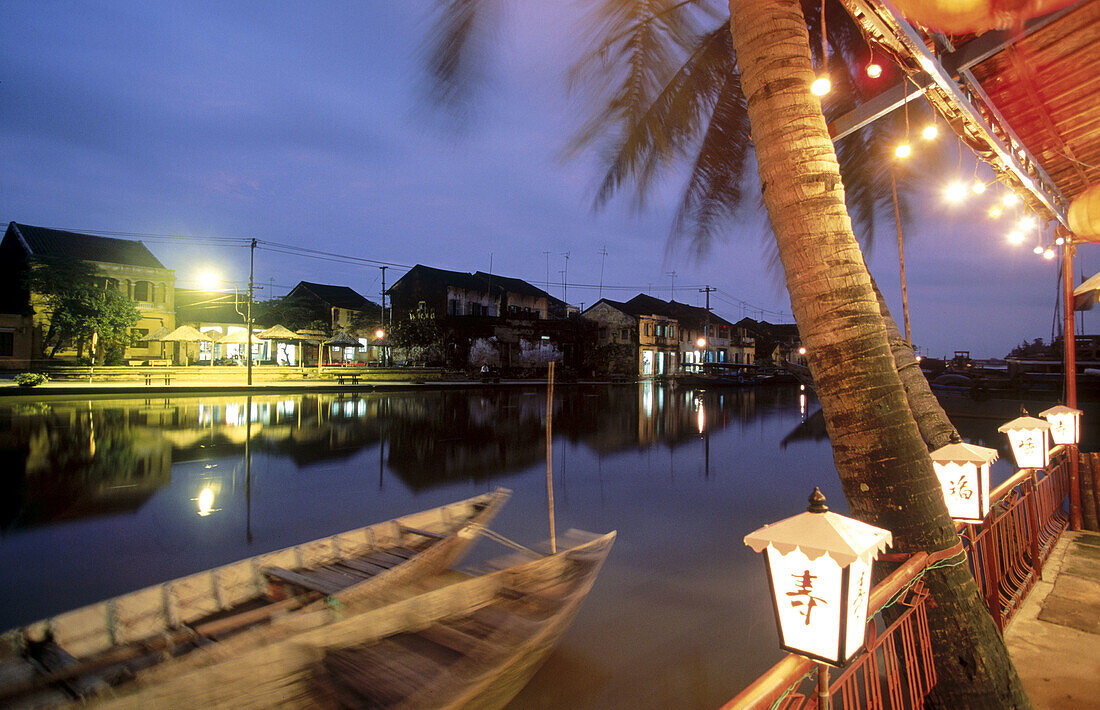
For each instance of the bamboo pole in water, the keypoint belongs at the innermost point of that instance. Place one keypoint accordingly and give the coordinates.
(550, 454)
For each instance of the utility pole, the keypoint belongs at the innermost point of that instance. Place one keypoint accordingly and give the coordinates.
(603, 258)
(565, 280)
(385, 333)
(248, 318)
(706, 322)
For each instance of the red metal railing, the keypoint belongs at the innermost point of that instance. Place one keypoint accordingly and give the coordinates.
(1006, 554)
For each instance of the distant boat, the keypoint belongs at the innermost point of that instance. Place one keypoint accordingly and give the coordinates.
(469, 644)
(723, 374)
(84, 651)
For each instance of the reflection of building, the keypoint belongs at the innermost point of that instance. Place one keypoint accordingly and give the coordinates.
(122, 264)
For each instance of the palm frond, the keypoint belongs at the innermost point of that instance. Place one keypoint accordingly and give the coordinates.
(458, 48)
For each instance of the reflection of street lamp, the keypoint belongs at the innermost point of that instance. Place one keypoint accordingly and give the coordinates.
(209, 281)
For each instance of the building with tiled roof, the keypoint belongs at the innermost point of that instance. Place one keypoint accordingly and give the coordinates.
(123, 264)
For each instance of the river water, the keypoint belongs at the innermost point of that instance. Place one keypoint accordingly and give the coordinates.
(102, 496)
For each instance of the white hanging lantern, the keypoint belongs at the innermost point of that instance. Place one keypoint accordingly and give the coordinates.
(819, 571)
(1029, 440)
(963, 470)
(1065, 424)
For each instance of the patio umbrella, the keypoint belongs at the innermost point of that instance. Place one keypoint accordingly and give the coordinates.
(342, 340)
(187, 334)
(278, 332)
(312, 336)
(158, 336)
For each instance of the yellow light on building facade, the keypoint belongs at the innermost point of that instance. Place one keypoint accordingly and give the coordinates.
(819, 571)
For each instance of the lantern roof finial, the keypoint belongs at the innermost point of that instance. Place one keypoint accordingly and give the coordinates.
(817, 502)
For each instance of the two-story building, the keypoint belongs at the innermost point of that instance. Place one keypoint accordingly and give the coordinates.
(488, 319)
(647, 341)
(122, 264)
(775, 342)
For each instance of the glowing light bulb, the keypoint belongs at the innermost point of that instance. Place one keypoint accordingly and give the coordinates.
(1048, 254)
(1060, 241)
(994, 211)
(874, 70)
(1015, 237)
(1038, 249)
(903, 150)
(1010, 199)
(1027, 223)
(978, 187)
(955, 192)
(930, 131)
(821, 85)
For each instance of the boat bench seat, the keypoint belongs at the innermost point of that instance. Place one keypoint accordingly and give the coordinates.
(325, 584)
(423, 533)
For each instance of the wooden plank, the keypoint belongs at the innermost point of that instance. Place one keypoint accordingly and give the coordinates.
(423, 533)
(285, 575)
(363, 566)
(454, 639)
(384, 559)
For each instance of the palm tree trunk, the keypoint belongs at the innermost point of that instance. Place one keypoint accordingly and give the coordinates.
(935, 428)
(878, 450)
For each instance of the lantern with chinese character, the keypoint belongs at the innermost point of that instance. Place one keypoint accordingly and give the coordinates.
(963, 470)
(819, 570)
(1065, 424)
(1030, 445)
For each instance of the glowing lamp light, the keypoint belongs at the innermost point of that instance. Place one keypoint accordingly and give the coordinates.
(802, 351)
(701, 342)
(1048, 254)
(1015, 237)
(903, 150)
(206, 502)
(1060, 241)
(1065, 424)
(930, 131)
(978, 187)
(1029, 440)
(379, 334)
(819, 571)
(1010, 199)
(963, 470)
(994, 212)
(956, 191)
(1027, 223)
(1038, 249)
(821, 86)
(874, 70)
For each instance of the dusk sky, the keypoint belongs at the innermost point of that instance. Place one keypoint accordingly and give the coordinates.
(306, 124)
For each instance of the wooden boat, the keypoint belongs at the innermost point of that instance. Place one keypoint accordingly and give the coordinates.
(472, 643)
(85, 649)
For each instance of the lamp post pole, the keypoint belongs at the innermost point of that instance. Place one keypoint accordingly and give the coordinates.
(1069, 345)
(248, 317)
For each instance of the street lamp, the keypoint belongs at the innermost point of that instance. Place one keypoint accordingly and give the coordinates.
(819, 571)
(963, 470)
(209, 280)
(1030, 444)
(1065, 424)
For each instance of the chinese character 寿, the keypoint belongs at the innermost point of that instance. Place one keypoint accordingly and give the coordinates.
(805, 588)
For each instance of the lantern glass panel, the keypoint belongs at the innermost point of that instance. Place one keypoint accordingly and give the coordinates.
(1064, 428)
(1030, 448)
(965, 489)
(807, 602)
(859, 594)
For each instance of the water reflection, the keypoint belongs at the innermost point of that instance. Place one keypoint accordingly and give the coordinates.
(68, 460)
(104, 496)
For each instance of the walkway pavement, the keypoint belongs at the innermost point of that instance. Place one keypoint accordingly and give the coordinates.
(1055, 639)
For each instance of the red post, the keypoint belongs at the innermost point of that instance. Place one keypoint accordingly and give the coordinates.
(1069, 341)
(989, 554)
